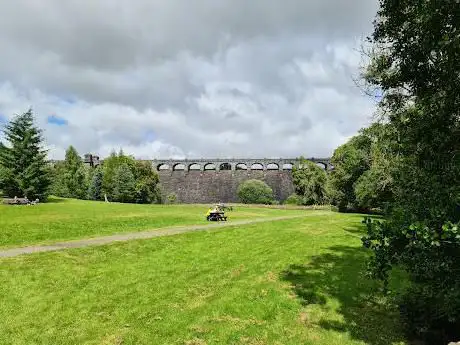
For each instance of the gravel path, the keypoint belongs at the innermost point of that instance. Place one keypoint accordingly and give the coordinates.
(98, 241)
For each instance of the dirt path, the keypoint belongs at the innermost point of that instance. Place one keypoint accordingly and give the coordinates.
(98, 241)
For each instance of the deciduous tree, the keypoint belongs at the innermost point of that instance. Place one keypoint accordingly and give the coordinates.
(415, 64)
(310, 183)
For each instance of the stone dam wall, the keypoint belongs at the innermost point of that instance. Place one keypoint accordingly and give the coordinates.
(202, 186)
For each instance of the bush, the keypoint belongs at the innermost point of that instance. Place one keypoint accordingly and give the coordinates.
(420, 306)
(293, 199)
(255, 192)
(171, 198)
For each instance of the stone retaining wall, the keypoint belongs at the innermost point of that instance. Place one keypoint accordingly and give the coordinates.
(221, 186)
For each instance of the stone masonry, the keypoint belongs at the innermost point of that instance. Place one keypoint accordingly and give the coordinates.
(210, 181)
(217, 180)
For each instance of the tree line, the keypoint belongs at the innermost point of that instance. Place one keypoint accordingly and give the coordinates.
(121, 179)
(25, 171)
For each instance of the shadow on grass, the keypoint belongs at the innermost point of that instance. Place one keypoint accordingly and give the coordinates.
(340, 275)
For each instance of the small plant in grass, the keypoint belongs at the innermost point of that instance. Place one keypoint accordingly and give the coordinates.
(171, 198)
(293, 199)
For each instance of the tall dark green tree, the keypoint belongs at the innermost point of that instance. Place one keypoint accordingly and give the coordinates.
(415, 63)
(74, 175)
(23, 159)
(95, 187)
(70, 177)
(111, 164)
(124, 185)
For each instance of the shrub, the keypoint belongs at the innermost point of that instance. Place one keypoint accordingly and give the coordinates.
(293, 199)
(255, 192)
(171, 198)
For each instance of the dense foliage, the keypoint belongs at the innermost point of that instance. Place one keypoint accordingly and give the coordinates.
(416, 66)
(361, 179)
(293, 199)
(23, 167)
(310, 183)
(95, 186)
(120, 179)
(255, 192)
(71, 177)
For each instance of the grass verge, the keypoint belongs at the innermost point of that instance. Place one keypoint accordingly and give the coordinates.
(289, 282)
(63, 219)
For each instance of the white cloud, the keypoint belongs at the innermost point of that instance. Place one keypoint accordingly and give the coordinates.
(172, 78)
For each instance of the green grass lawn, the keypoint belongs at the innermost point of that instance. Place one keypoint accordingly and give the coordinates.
(64, 219)
(288, 282)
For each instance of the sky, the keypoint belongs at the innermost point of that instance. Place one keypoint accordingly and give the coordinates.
(187, 79)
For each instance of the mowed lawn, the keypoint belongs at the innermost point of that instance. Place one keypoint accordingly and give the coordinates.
(290, 282)
(64, 219)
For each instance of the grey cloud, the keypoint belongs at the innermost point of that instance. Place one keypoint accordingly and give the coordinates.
(107, 34)
(227, 78)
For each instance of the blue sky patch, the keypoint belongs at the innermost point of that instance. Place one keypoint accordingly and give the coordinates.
(56, 120)
(149, 136)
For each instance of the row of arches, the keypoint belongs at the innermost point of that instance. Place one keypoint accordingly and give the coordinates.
(223, 166)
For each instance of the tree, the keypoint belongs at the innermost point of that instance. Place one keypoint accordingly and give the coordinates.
(25, 172)
(374, 188)
(73, 175)
(255, 192)
(310, 183)
(95, 187)
(111, 164)
(124, 184)
(415, 64)
(361, 177)
(147, 183)
(350, 160)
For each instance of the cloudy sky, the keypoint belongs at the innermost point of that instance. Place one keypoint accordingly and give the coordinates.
(179, 78)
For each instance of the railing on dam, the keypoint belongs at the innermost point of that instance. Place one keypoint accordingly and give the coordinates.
(203, 164)
(234, 164)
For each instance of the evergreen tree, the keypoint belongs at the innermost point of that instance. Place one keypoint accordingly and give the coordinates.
(124, 184)
(58, 187)
(111, 165)
(75, 175)
(95, 188)
(25, 172)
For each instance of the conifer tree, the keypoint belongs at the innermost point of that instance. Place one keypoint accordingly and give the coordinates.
(75, 180)
(95, 188)
(24, 168)
(124, 184)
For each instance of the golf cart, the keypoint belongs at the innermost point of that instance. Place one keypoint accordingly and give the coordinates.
(216, 214)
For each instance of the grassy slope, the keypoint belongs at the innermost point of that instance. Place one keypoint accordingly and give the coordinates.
(70, 219)
(288, 282)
